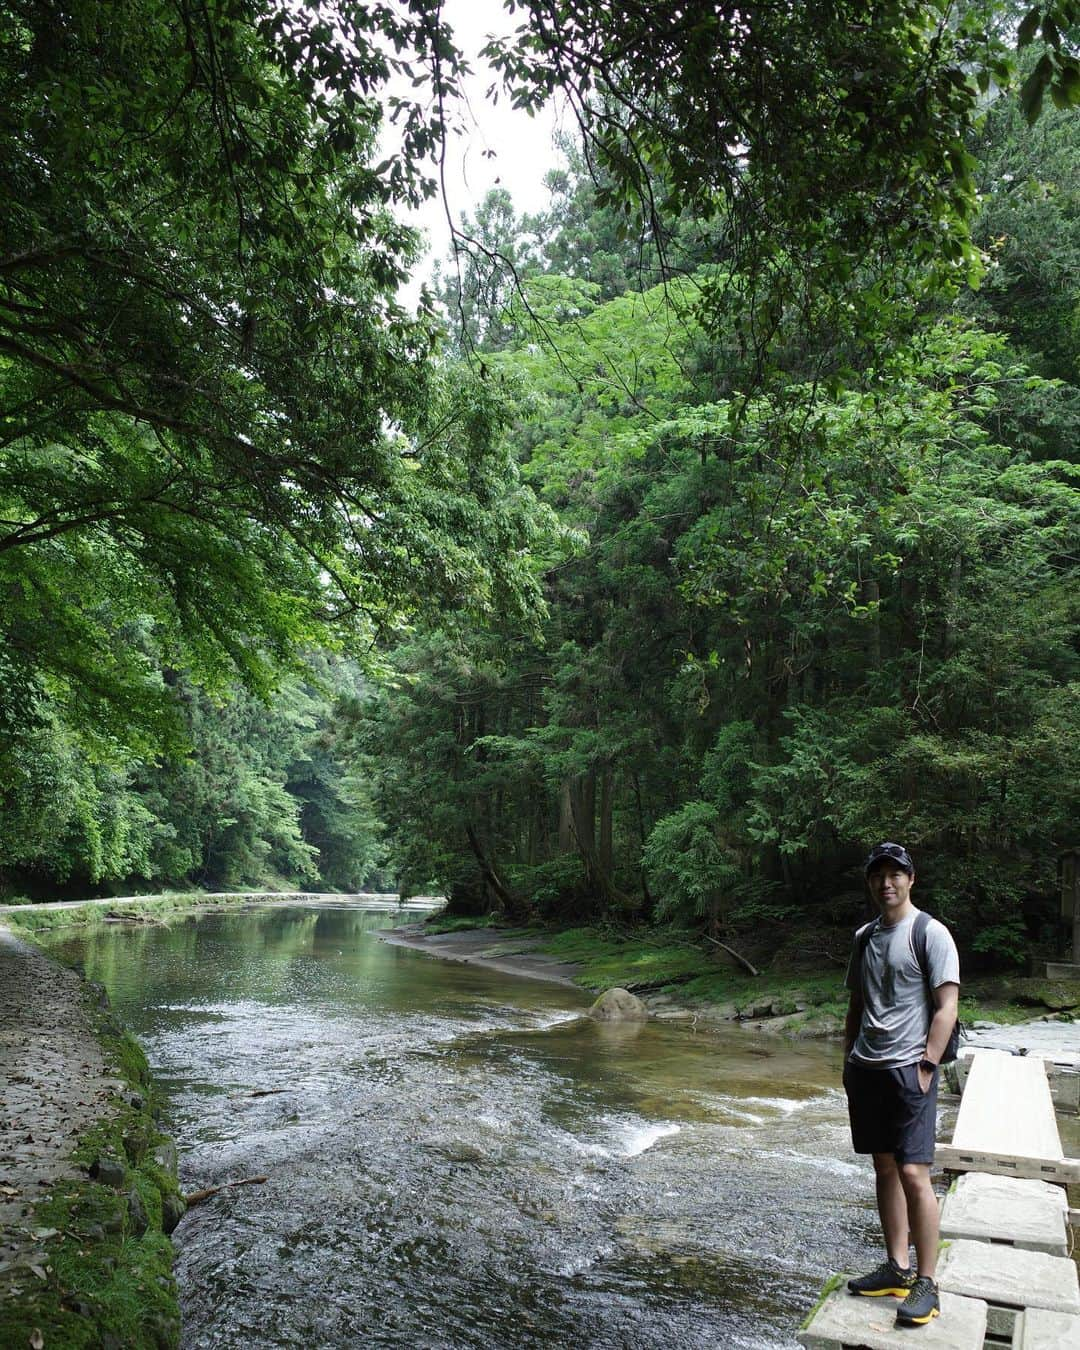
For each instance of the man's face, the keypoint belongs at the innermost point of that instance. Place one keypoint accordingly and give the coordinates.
(891, 887)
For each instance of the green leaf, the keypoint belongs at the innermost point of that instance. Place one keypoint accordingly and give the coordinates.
(1029, 26)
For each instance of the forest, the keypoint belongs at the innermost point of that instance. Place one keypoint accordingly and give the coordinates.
(686, 538)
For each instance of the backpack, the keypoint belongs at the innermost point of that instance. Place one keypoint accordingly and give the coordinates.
(918, 941)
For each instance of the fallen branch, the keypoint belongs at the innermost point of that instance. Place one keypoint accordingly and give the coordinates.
(197, 1197)
(750, 969)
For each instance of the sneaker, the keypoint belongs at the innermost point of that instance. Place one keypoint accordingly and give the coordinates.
(889, 1278)
(921, 1305)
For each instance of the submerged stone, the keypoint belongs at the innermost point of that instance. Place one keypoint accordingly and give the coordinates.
(618, 1005)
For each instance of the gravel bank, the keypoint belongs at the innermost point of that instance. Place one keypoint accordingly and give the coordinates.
(55, 1087)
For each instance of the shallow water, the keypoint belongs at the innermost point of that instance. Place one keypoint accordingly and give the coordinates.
(455, 1159)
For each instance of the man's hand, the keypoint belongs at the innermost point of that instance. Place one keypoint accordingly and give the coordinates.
(926, 1077)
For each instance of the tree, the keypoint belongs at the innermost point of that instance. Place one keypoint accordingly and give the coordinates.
(827, 141)
(214, 415)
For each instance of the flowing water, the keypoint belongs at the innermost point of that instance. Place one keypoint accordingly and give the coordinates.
(456, 1159)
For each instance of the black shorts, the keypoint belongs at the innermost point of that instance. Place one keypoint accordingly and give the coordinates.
(890, 1113)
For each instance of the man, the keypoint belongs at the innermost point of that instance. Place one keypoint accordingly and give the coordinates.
(898, 1025)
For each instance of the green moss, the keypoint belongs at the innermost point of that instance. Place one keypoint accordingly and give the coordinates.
(669, 961)
(105, 1283)
(830, 1286)
(461, 923)
(636, 961)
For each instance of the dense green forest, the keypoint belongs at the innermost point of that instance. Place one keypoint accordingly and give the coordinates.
(693, 533)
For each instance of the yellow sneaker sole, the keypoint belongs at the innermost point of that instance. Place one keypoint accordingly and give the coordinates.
(918, 1321)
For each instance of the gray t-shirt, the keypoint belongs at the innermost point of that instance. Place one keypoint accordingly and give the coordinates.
(896, 1002)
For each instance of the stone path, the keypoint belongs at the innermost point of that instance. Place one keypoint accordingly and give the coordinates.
(53, 1086)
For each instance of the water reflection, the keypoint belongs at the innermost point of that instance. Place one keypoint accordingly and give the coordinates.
(456, 1159)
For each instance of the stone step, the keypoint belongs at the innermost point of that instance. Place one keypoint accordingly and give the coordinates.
(1039, 1329)
(844, 1321)
(1028, 1214)
(1008, 1280)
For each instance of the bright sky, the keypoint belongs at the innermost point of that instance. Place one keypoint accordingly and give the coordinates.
(523, 146)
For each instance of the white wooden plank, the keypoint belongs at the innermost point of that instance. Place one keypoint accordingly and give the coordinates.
(1061, 1170)
(1006, 1108)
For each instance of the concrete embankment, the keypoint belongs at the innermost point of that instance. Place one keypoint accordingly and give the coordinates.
(88, 1186)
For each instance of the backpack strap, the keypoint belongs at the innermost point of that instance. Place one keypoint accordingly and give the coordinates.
(918, 941)
(862, 938)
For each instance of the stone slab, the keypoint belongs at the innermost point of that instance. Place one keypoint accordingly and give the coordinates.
(1006, 1108)
(846, 1322)
(1062, 970)
(1028, 1214)
(1009, 1277)
(1039, 1329)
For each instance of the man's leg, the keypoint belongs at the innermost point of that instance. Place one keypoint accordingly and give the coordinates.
(921, 1211)
(892, 1206)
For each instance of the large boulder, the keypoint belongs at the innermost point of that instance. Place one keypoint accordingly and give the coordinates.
(618, 1005)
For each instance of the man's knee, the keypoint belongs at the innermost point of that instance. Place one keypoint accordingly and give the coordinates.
(884, 1164)
(914, 1177)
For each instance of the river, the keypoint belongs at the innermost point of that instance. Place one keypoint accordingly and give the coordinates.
(456, 1159)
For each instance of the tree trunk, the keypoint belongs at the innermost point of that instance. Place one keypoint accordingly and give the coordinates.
(566, 818)
(514, 907)
(606, 799)
(598, 878)
(870, 594)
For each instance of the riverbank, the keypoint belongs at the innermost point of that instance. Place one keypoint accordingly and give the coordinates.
(88, 1187)
(673, 978)
(161, 908)
(680, 980)
(520, 955)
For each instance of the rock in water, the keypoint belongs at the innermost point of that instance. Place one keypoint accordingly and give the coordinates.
(618, 1005)
(173, 1210)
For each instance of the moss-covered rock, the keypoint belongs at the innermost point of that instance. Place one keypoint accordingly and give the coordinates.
(1057, 995)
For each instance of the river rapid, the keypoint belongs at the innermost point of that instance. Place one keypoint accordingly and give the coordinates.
(457, 1159)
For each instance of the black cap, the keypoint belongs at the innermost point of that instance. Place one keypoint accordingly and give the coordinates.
(896, 853)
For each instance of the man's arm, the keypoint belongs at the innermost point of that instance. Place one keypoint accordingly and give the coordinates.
(941, 1025)
(852, 1020)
